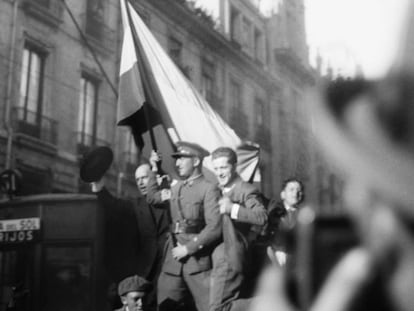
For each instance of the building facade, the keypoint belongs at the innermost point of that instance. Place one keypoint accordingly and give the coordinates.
(60, 73)
(55, 101)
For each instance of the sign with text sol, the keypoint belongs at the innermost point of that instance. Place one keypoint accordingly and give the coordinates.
(17, 231)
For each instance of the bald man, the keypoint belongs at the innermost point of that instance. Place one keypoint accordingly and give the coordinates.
(135, 233)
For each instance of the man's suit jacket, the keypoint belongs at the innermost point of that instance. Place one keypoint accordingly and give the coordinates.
(195, 201)
(236, 231)
(135, 235)
(281, 224)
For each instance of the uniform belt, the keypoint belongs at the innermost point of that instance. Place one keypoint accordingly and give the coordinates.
(186, 228)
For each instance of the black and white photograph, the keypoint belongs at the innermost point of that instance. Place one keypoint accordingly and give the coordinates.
(206, 155)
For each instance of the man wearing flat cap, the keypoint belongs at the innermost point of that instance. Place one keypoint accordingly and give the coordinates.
(132, 291)
(195, 231)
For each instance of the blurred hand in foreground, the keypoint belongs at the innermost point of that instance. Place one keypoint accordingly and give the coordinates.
(338, 292)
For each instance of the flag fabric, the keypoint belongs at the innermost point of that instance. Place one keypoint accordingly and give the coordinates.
(149, 75)
(131, 91)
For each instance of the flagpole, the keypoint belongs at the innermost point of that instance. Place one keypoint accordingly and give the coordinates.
(144, 82)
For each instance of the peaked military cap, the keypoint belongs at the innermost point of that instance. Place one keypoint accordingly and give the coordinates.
(133, 283)
(187, 149)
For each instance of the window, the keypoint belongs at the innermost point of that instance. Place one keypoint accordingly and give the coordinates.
(31, 86)
(175, 48)
(207, 81)
(131, 152)
(247, 31)
(234, 25)
(87, 111)
(94, 18)
(262, 124)
(235, 94)
(30, 111)
(260, 112)
(239, 119)
(258, 46)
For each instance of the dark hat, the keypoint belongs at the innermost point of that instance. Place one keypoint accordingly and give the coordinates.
(95, 163)
(367, 128)
(187, 149)
(134, 283)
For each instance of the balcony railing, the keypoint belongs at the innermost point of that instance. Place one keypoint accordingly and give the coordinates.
(35, 125)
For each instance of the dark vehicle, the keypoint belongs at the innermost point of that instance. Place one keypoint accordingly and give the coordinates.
(51, 254)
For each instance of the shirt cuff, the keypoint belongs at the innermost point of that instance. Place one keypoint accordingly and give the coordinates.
(234, 211)
(96, 187)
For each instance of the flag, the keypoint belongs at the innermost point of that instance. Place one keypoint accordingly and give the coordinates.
(176, 110)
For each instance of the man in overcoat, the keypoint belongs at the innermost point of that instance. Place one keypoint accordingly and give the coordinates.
(135, 233)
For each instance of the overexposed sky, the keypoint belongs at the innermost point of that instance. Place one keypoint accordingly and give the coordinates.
(347, 33)
(350, 32)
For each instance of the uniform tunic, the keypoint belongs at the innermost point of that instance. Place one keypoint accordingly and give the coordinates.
(194, 202)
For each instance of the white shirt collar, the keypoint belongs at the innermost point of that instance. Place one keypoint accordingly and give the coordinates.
(228, 188)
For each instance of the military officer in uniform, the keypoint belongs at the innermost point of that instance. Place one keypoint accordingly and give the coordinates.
(195, 231)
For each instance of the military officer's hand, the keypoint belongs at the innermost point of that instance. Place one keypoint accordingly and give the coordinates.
(225, 205)
(179, 252)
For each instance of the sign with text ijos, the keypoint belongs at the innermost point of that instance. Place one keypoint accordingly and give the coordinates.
(16, 231)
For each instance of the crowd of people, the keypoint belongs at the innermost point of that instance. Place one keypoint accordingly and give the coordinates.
(193, 240)
(190, 245)
(197, 245)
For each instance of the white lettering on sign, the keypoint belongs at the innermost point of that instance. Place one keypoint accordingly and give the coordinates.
(23, 224)
(16, 236)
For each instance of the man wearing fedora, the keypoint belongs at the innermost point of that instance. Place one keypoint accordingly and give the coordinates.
(132, 291)
(195, 231)
(135, 231)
